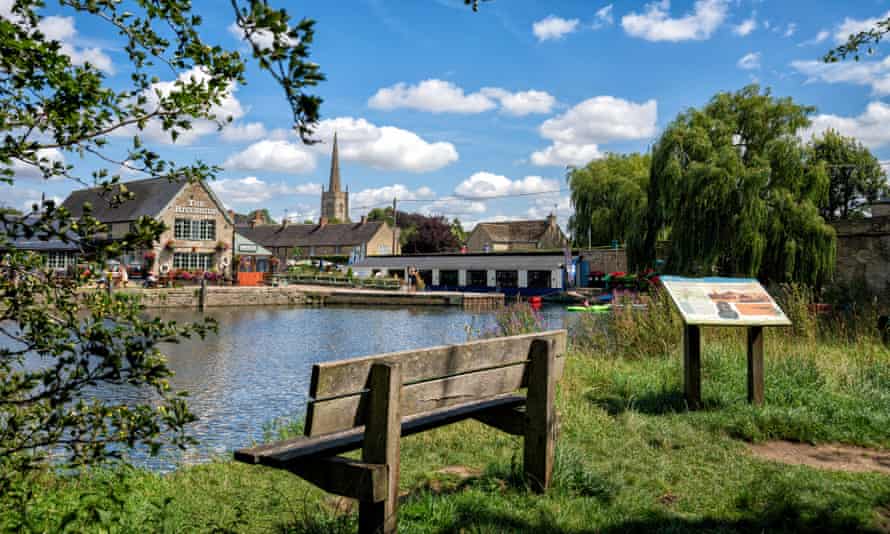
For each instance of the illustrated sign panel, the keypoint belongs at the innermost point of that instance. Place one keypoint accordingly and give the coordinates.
(724, 302)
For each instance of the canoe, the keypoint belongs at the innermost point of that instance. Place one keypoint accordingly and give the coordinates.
(596, 308)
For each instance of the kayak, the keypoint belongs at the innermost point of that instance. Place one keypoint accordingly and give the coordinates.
(596, 308)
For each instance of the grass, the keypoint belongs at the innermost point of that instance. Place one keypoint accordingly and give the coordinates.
(630, 458)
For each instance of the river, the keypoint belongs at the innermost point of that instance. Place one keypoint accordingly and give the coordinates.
(257, 368)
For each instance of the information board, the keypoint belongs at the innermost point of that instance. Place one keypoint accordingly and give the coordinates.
(724, 302)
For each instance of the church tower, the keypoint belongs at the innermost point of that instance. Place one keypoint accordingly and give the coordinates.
(334, 202)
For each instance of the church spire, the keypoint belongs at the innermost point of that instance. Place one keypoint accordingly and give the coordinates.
(334, 185)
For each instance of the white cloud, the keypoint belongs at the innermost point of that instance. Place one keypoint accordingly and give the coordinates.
(384, 147)
(366, 199)
(451, 207)
(437, 96)
(485, 185)
(853, 26)
(252, 190)
(819, 38)
(26, 171)
(790, 30)
(563, 154)
(870, 127)
(655, 23)
(63, 30)
(273, 156)
(244, 131)
(262, 38)
(875, 74)
(750, 61)
(577, 133)
(553, 27)
(229, 107)
(521, 103)
(603, 17)
(747, 26)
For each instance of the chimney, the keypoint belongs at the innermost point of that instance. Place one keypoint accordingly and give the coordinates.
(231, 215)
(257, 219)
(551, 220)
(284, 221)
(364, 220)
(322, 222)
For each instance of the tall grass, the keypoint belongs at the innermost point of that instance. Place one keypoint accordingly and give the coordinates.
(628, 332)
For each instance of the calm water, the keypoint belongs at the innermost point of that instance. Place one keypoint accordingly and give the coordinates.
(256, 369)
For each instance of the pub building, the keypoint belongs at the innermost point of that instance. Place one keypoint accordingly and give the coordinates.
(199, 235)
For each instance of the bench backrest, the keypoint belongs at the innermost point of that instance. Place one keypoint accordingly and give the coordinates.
(432, 378)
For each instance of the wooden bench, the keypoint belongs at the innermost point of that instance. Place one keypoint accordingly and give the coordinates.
(369, 403)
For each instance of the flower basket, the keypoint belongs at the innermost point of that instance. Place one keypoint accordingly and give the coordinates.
(222, 246)
(170, 245)
(149, 256)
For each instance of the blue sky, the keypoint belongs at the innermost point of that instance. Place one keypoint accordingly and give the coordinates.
(443, 107)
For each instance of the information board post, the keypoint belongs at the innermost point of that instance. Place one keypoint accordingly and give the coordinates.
(692, 365)
(722, 302)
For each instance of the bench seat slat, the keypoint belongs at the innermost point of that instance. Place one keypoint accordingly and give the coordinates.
(283, 454)
(344, 377)
(343, 413)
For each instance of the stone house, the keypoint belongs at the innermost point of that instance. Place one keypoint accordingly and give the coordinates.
(863, 248)
(514, 236)
(199, 233)
(301, 241)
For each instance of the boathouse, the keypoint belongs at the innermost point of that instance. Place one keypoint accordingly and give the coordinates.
(199, 231)
(522, 273)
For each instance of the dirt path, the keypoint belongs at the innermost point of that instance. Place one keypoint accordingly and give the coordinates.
(834, 457)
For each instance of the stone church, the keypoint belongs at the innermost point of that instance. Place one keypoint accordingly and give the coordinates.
(334, 202)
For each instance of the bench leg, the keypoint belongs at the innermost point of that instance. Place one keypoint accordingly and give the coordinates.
(540, 432)
(381, 446)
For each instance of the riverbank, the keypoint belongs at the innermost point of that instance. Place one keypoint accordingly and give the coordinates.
(630, 457)
(308, 295)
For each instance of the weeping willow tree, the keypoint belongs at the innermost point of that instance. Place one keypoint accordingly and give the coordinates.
(738, 194)
(609, 197)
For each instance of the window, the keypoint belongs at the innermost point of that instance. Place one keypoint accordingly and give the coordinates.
(507, 279)
(194, 230)
(477, 278)
(60, 260)
(448, 278)
(539, 279)
(192, 261)
(427, 276)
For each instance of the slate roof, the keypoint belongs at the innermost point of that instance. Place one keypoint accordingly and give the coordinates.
(39, 242)
(307, 235)
(151, 196)
(513, 231)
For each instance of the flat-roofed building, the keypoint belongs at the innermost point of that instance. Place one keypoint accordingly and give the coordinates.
(524, 273)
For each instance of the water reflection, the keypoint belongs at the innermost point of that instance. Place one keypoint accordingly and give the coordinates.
(257, 368)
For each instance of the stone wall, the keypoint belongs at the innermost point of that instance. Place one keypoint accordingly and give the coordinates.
(187, 297)
(863, 252)
(606, 260)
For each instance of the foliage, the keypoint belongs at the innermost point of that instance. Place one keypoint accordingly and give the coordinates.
(855, 175)
(382, 214)
(424, 234)
(60, 343)
(457, 230)
(609, 196)
(867, 39)
(734, 187)
(515, 319)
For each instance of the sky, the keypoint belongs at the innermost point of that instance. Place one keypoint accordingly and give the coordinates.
(444, 108)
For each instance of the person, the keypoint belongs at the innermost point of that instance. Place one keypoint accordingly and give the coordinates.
(150, 280)
(125, 277)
